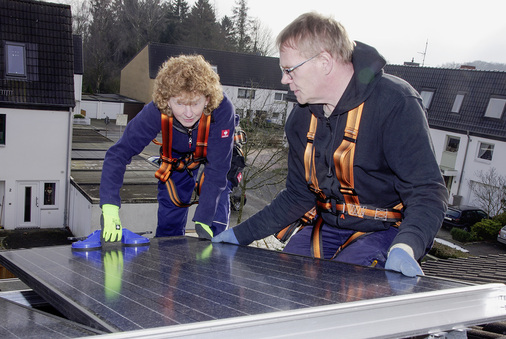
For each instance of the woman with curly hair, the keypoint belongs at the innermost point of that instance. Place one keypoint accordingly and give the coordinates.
(186, 88)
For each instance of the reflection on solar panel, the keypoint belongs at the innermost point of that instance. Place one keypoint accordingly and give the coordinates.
(186, 284)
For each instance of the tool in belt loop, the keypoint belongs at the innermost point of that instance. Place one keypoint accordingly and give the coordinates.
(188, 162)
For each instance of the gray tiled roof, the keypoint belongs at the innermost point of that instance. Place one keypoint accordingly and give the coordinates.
(479, 270)
(478, 87)
(235, 69)
(46, 31)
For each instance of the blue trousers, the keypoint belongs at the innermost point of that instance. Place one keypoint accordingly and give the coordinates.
(370, 249)
(172, 219)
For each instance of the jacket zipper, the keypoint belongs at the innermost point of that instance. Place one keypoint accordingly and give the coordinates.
(190, 139)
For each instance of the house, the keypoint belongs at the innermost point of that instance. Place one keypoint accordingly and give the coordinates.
(467, 123)
(36, 106)
(252, 82)
(103, 106)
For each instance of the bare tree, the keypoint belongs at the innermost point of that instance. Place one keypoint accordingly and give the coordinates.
(490, 192)
(265, 152)
(262, 41)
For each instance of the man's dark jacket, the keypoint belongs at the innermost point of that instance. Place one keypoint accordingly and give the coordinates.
(394, 160)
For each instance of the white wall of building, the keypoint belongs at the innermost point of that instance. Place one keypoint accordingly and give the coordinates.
(102, 109)
(35, 158)
(85, 216)
(264, 100)
(468, 163)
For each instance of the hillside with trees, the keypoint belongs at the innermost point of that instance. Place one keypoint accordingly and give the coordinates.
(114, 31)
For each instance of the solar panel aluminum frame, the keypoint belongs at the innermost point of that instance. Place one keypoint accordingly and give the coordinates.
(427, 313)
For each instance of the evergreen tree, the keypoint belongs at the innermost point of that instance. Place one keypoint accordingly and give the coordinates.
(227, 34)
(202, 27)
(176, 14)
(242, 26)
(97, 48)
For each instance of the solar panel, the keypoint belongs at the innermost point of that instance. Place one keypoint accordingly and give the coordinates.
(178, 282)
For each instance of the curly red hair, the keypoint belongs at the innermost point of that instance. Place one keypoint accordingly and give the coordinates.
(187, 75)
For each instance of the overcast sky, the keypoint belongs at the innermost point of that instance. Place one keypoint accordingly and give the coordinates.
(456, 31)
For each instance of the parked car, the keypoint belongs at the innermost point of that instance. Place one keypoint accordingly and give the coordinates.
(501, 237)
(463, 217)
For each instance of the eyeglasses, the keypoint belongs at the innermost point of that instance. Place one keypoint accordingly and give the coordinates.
(288, 71)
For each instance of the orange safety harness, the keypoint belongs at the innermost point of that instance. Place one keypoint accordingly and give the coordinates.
(188, 162)
(343, 160)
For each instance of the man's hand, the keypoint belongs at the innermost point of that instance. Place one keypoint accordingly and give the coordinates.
(226, 236)
(203, 230)
(111, 224)
(401, 261)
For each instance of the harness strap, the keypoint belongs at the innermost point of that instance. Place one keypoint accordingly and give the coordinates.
(316, 239)
(187, 162)
(361, 211)
(343, 163)
(309, 164)
(345, 155)
(289, 230)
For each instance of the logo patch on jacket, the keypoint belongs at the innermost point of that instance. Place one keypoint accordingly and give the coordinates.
(225, 133)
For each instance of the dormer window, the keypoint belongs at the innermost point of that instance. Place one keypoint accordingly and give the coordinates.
(15, 59)
(427, 97)
(495, 108)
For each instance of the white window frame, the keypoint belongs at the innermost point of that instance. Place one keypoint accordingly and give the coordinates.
(280, 94)
(495, 108)
(427, 96)
(448, 148)
(457, 104)
(56, 195)
(483, 147)
(245, 93)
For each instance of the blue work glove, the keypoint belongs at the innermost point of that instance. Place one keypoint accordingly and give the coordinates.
(399, 260)
(111, 224)
(203, 230)
(226, 236)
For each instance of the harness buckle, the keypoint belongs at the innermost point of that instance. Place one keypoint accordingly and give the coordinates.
(347, 191)
(381, 214)
(356, 210)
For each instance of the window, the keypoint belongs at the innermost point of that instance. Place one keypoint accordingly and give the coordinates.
(427, 98)
(458, 103)
(2, 129)
(495, 108)
(15, 59)
(246, 93)
(485, 151)
(49, 193)
(452, 144)
(280, 96)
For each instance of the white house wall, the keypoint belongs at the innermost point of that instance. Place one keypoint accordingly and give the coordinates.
(35, 153)
(85, 216)
(102, 109)
(263, 101)
(468, 164)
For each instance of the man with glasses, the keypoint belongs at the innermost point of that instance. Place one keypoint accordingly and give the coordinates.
(383, 205)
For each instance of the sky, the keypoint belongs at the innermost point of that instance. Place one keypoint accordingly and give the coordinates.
(429, 32)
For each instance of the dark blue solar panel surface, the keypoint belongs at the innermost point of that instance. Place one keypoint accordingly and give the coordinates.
(23, 322)
(185, 280)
